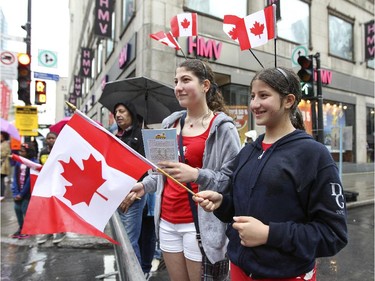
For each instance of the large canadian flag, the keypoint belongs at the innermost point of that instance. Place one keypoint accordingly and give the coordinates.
(88, 173)
(185, 24)
(256, 29)
(166, 39)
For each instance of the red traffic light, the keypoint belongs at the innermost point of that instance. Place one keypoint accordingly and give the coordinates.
(306, 73)
(24, 77)
(24, 59)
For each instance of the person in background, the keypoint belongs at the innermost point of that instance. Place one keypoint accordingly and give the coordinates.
(5, 163)
(210, 143)
(129, 131)
(43, 156)
(158, 261)
(251, 136)
(21, 187)
(147, 238)
(286, 206)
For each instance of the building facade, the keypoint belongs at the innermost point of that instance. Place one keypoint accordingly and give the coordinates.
(109, 41)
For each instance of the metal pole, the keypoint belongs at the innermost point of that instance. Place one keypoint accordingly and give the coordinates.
(28, 29)
(320, 126)
(127, 262)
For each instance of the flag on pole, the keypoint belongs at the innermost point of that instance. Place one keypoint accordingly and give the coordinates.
(256, 29)
(185, 24)
(88, 173)
(34, 168)
(166, 39)
(31, 164)
(229, 26)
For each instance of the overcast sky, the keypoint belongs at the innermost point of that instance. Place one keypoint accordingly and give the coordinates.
(49, 27)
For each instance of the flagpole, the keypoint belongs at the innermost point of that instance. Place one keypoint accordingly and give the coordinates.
(72, 106)
(256, 58)
(275, 52)
(176, 181)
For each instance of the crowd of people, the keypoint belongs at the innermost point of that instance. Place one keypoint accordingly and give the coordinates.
(255, 211)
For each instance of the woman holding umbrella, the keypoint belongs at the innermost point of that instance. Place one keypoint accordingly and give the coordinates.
(208, 143)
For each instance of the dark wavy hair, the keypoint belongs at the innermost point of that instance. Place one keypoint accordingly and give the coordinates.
(203, 71)
(285, 82)
(30, 150)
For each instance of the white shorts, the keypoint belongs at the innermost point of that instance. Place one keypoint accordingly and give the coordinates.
(176, 238)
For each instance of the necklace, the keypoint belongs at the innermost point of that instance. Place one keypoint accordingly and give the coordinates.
(203, 117)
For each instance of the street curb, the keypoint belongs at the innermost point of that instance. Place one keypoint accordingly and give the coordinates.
(352, 205)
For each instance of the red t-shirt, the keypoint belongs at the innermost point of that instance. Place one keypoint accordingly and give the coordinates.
(175, 207)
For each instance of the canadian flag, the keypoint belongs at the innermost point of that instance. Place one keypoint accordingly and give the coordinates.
(166, 39)
(185, 24)
(34, 168)
(256, 29)
(32, 165)
(230, 25)
(88, 173)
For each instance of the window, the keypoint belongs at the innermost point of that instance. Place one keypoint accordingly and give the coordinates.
(218, 8)
(100, 57)
(127, 12)
(294, 26)
(340, 37)
(110, 45)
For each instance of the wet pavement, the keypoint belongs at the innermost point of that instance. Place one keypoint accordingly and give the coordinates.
(80, 257)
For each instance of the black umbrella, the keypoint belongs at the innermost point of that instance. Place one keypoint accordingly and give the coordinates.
(153, 100)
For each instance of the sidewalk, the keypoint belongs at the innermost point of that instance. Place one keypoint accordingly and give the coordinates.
(363, 183)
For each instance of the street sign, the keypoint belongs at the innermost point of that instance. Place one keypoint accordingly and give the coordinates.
(47, 58)
(8, 65)
(297, 52)
(27, 120)
(46, 76)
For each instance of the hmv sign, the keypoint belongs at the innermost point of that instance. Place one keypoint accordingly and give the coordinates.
(103, 18)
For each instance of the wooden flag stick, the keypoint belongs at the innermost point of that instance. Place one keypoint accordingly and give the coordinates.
(176, 181)
(72, 106)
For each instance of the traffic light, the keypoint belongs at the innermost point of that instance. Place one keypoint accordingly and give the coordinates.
(24, 78)
(40, 92)
(306, 74)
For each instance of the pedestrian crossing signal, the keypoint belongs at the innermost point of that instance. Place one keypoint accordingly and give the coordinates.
(40, 92)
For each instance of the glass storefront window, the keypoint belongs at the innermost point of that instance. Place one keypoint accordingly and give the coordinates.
(339, 122)
(218, 8)
(370, 134)
(340, 37)
(235, 94)
(295, 26)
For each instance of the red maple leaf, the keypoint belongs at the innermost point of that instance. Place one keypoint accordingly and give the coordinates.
(257, 29)
(185, 23)
(84, 182)
(233, 33)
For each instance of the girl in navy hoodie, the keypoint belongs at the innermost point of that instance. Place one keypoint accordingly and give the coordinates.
(286, 206)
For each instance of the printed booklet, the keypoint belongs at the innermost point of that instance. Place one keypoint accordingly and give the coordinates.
(160, 144)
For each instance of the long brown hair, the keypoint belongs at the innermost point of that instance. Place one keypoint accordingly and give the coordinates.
(203, 71)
